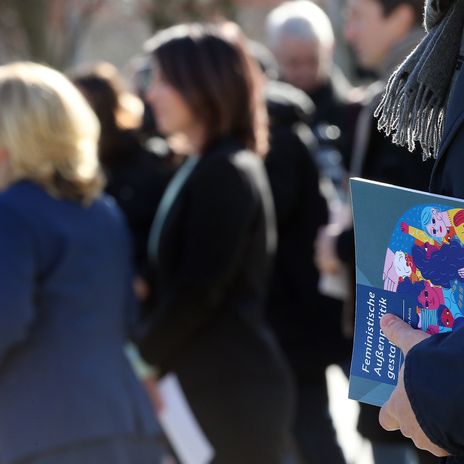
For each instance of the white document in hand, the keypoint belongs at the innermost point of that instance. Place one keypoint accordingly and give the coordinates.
(180, 426)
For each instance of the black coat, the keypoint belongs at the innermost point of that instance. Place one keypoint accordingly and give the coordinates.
(212, 267)
(136, 178)
(438, 399)
(332, 107)
(296, 309)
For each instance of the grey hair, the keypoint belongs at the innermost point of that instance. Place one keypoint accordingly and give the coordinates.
(302, 19)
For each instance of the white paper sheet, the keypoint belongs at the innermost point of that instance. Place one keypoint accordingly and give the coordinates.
(180, 425)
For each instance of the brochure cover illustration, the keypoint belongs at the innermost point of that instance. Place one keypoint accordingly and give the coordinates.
(409, 262)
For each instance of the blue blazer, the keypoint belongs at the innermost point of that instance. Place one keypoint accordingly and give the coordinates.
(66, 308)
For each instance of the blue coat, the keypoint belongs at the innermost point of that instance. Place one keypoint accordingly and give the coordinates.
(434, 374)
(66, 306)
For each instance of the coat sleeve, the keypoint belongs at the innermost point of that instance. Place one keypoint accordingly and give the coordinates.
(17, 279)
(310, 193)
(294, 179)
(447, 176)
(434, 381)
(221, 206)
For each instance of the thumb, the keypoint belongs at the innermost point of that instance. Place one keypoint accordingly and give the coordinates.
(386, 418)
(400, 333)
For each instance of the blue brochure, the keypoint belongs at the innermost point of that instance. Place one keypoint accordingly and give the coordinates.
(409, 262)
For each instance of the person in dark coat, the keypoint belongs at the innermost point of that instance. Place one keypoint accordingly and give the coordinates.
(135, 176)
(68, 394)
(212, 242)
(382, 34)
(296, 309)
(300, 35)
(375, 157)
(429, 408)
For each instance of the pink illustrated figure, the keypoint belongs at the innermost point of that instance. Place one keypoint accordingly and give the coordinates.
(397, 267)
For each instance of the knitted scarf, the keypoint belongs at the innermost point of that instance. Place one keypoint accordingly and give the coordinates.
(413, 105)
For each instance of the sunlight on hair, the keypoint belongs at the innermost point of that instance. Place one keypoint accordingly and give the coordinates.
(49, 131)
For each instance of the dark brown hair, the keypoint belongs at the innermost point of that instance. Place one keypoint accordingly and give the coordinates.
(417, 7)
(218, 80)
(103, 87)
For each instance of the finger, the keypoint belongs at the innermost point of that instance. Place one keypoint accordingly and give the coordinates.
(386, 418)
(427, 445)
(400, 333)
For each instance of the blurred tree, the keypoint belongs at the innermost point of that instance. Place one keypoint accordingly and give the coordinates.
(47, 31)
(163, 13)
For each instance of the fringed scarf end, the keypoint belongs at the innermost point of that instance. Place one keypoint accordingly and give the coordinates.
(411, 115)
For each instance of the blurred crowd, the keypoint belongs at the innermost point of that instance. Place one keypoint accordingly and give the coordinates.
(196, 221)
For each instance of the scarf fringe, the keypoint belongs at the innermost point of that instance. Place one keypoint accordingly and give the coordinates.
(411, 115)
(413, 106)
(388, 108)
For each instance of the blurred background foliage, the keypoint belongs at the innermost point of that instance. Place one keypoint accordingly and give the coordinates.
(51, 31)
(165, 13)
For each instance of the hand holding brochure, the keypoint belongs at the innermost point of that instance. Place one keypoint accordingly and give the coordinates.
(409, 262)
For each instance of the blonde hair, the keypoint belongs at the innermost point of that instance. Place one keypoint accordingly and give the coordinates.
(49, 132)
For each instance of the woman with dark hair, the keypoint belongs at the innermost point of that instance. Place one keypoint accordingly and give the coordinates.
(135, 176)
(212, 242)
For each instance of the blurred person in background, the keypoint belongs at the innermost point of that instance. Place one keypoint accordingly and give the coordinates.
(135, 176)
(212, 244)
(295, 305)
(296, 308)
(67, 392)
(294, 301)
(140, 72)
(300, 35)
(382, 33)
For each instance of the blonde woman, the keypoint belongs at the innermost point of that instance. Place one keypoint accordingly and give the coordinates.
(67, 393)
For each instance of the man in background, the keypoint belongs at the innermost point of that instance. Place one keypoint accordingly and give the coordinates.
(382, 33)
(300, 35)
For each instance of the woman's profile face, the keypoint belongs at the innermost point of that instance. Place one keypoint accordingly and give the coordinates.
(171, 111)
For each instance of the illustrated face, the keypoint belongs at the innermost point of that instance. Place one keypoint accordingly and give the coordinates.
(171, 111)
(436, 227)
(302, 62)
(369, 32)
(430, 297)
